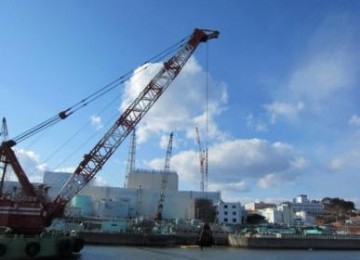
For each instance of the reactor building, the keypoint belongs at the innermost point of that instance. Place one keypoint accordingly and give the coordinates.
(139, 197)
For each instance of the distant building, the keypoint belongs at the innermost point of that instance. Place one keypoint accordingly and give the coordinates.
(301, 203)
(301, 199)
(116, 202)
(56, 181)
(303, 218)
(152, 179)
(272, 215)
(287, 214)
(229, 213)
(255, 206)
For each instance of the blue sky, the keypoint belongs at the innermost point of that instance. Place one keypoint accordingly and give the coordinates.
(283, 81)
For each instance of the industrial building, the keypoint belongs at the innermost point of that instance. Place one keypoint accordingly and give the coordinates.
(140, 198)
(230, 213)
(152, 179)
(302, 203)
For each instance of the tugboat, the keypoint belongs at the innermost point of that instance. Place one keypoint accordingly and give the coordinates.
(205, 236)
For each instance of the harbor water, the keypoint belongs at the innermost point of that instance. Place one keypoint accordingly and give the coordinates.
(213, 253)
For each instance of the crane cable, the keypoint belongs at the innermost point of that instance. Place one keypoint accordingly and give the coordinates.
(97, 94)
(207, 119)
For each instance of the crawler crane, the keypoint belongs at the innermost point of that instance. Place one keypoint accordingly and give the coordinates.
(31, 212)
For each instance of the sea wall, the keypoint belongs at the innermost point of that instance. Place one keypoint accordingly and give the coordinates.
(296, 242)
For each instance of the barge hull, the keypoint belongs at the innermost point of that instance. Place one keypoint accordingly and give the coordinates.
(128, 239)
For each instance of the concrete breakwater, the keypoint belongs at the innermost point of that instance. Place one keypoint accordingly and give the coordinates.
(287, 241)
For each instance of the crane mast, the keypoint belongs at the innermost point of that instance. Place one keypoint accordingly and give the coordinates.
(164, 179)
(168, 153)
(96, 158)
(131, 158)
(201, 160)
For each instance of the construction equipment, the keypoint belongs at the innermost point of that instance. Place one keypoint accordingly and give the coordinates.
(202, 160)
(33, 211)
(164, 179)
(131, 158)
(4, 134)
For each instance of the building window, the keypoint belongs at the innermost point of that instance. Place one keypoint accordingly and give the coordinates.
(234, 220)
(234, 206)
(225, 212)
(225, 206)
(225, 220)
(234, 213)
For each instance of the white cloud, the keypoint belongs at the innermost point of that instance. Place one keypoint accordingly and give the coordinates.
(230, 192)
(279, 109)
(96, 121)
(269, 180)
(237, 164)
(328, 70)
(249, 158)
(258, 125)
(182, 106)
(355, 120)
(31, 164)
(300, 163)
(336, 164)
(240, 186)
(324, 76)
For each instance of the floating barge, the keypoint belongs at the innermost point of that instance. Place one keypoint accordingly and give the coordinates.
(47, 245)
(296, 241)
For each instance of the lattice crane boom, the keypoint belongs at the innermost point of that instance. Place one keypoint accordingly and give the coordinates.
(168, 153)
(164, 178)
(96, 158)
(131, 158)
(201, 160)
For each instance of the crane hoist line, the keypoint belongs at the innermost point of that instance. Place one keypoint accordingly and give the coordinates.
(95, 159)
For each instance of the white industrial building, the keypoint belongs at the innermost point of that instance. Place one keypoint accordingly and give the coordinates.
(303, 218)
(272, 215)
(140, 198)
(255, 206)
(282, 214)
(229, 213)
(300, 211)
(302, 203)
(151, 180)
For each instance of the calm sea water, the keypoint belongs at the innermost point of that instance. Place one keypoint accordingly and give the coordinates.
(215, 253)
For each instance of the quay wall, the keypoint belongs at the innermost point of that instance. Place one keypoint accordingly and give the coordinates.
(296, 242)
